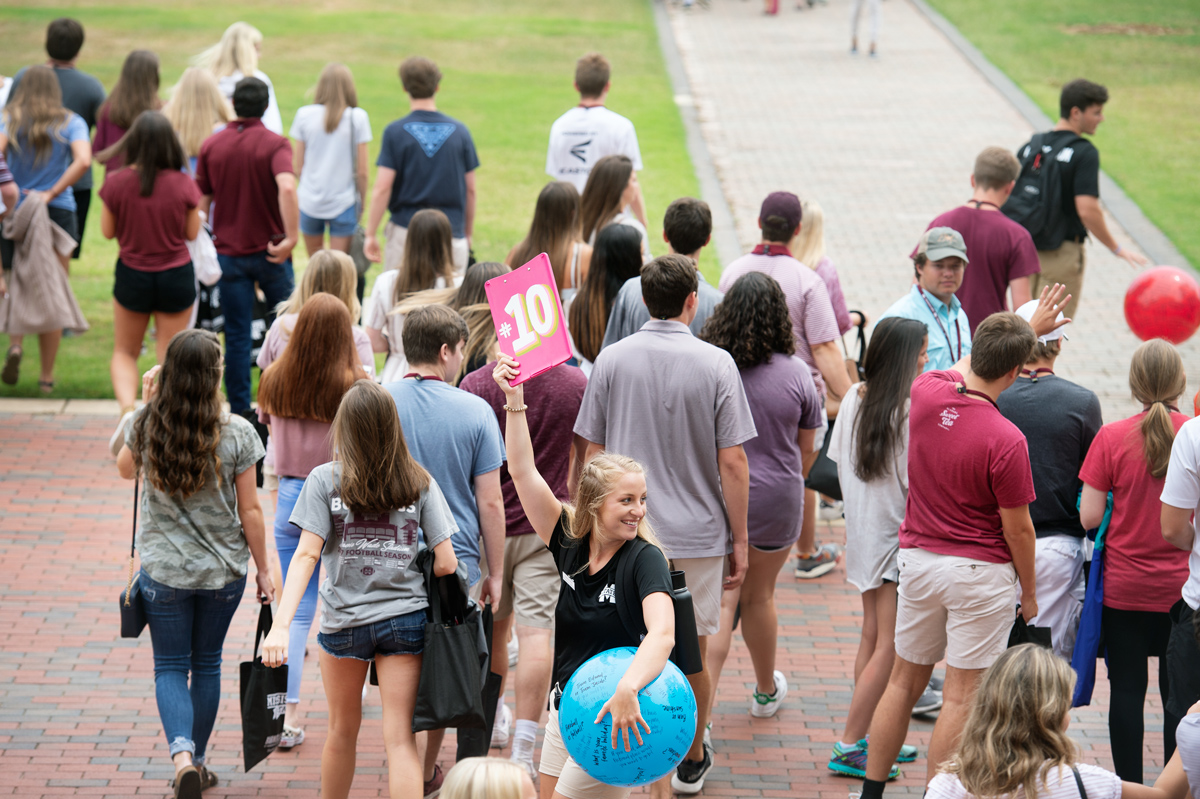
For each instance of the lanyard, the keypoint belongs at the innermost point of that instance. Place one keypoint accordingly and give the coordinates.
(771, 249)
(980, 203)
(945, 332)
(423, 377)
(1032, 374)
(964, 390)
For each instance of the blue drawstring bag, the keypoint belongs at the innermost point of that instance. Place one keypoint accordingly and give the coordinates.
(1089, 644)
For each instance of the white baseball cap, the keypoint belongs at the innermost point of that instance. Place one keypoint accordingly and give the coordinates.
(1026, 313)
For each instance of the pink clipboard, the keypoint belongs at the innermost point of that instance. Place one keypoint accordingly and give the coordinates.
(529, 319)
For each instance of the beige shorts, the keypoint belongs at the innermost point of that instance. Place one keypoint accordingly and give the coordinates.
(958, 608)
(706, 582)
(573, 782)
(393, 252)
(270, 479)
(529, 585)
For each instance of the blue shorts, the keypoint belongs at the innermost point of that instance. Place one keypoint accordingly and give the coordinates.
(402, 635)
(341, 225)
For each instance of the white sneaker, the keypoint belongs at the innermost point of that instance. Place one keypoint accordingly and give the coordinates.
(502, 729)
(763, 706)
(292, 737)
(534, 775)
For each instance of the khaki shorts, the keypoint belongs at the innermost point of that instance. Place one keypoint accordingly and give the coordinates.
(393, 252)
(706, 582)
(529, 584)
(270, 479)
(1064, 265)
(944, 599)
(573, 782)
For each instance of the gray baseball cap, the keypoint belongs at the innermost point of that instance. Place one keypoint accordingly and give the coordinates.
(942, 242)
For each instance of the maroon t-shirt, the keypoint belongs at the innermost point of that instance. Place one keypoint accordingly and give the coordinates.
(1000, 251)
(151, 230)
(237, 167)
(965, 462)
(553, 398)
(108, 134)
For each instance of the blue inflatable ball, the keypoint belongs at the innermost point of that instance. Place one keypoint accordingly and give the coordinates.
(668, 707)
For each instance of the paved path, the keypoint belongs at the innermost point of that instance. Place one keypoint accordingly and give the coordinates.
(883, 144)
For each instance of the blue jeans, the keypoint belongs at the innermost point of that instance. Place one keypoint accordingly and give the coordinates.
(341, 225)
(399, 635)
(187, 630)
(287, 539)
(239, 273)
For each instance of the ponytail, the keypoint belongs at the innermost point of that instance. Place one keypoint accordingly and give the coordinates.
(1156, 378)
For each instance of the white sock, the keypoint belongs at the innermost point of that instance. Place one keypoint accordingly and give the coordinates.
(848, 747)
(524, 738)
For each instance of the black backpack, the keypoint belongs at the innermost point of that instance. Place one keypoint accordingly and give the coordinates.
(1036, 203)
(686, 654)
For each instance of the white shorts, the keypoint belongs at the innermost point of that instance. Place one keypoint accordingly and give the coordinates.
(393, 253)
(958, 608)
(1058, 564)
(573, 782)
(706, 582)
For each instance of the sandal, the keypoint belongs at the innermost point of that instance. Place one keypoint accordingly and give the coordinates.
(207, 778)
(47, 386)
(12, 366)
(187, 783)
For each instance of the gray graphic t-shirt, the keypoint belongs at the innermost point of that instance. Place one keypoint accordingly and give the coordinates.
(369, 558)
(198, 542)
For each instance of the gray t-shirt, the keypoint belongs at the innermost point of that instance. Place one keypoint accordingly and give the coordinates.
(198, 542)
(629, 312)
(1059, 420)
(370, 559)
(669, 400)
(81, 93)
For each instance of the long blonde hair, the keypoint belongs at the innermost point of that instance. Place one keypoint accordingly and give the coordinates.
(335, 90)
(331, 272)
(596, 482)
(36, 113)
(1157, 379)
(1015, 734)
(237, 51)
(809, 245)
(196, 107)
(483, 778)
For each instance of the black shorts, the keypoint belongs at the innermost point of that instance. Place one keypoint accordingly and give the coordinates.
(1183, 660)
(169, 291)
(60, 216)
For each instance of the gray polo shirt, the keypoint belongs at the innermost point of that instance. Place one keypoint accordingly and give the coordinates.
(670, 401)
(629, 312)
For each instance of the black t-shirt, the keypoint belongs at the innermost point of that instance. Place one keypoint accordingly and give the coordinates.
(1059, 419)
(586, 621)
(1079, 166)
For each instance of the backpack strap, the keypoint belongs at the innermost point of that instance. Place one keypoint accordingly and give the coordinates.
(633, 622)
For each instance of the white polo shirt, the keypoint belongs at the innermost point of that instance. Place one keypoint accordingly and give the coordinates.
(582, 136)
(1182, 490)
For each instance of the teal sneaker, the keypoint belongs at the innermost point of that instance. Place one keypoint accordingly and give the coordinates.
(907, 753)
(852, 762)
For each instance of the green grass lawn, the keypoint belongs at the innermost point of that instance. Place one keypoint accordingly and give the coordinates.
(1150, 141)
(508, 67)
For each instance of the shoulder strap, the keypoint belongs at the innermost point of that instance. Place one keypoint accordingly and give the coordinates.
(1079, 783)
(133, 536)
(354, 165)
(634, 624)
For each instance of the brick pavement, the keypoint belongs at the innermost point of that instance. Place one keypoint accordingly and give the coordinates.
(77, 711)
(884, 145)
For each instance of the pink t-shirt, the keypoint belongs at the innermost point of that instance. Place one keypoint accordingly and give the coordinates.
(827, 272)
(965, 462)
(1141, 570)
(809, 307)
(1000, 251)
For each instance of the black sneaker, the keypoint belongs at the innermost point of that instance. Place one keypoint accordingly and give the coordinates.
(689, 776)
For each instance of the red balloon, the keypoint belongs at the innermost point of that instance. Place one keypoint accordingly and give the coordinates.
(1163, 302)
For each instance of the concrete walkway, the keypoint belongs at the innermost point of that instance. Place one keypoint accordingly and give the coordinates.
(883, 144)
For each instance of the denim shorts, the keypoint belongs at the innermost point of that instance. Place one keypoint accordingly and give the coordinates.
(401, 635)
(341, 225)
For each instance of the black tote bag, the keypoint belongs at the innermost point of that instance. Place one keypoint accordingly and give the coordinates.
(264, 700)
(450, 690)
(1024, 633)
(823, 476)
(475, 742)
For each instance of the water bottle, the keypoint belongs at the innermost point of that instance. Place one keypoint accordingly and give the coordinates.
(686, 654)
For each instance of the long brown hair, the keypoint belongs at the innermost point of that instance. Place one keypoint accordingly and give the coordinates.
(377, 472)
(35, 113)
(151, 146)
(470, 301)
(1157, 379)
(427, 253)
(555, 230)
(602, 194)
(1014, 734)
(136, 90)
(752, 322)
(616, 258)
(175, 438)
(318, 365)
(335, 91)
